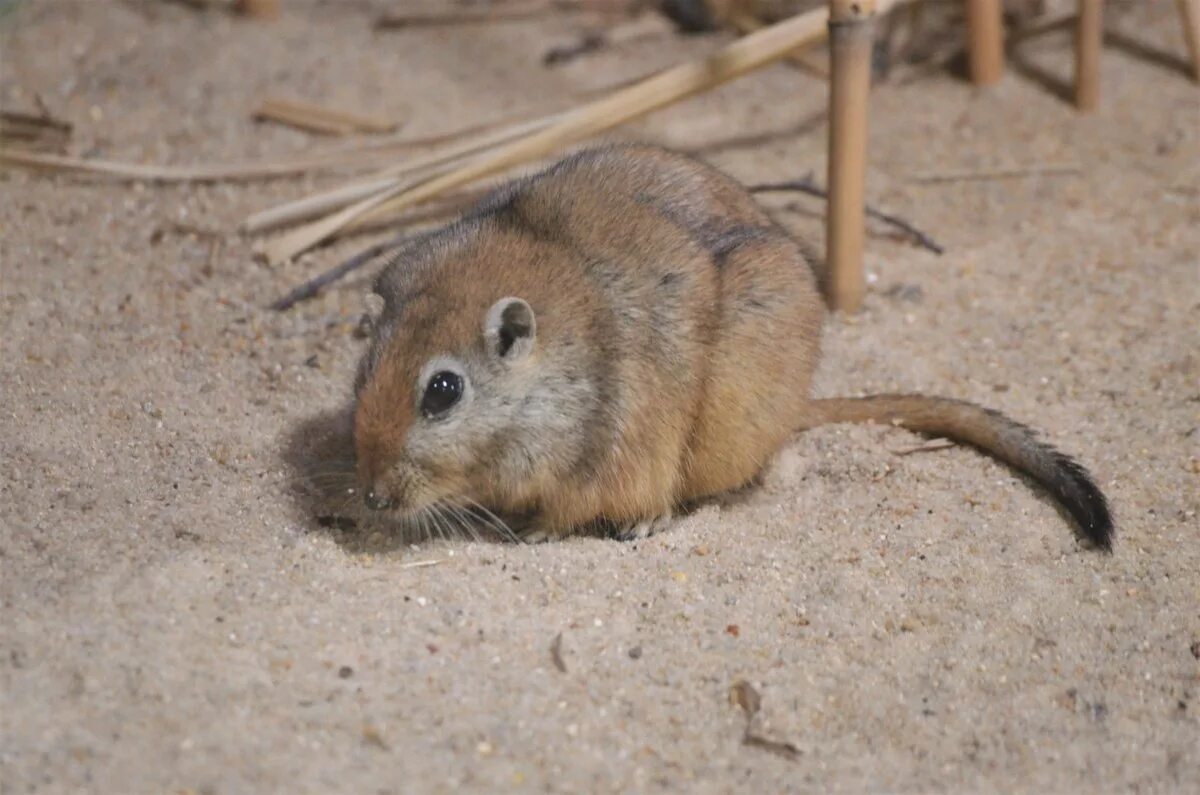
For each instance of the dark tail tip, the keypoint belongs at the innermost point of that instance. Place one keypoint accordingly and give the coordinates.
(1084, 501)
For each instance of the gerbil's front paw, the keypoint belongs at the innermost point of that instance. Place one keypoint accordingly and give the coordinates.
(644, 528)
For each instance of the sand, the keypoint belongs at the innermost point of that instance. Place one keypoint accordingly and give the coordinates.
(174, 619)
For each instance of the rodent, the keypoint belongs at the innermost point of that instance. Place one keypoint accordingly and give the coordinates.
(620, 335)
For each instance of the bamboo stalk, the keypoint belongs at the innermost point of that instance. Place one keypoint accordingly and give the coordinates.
(1189, 16)
(1089, 35)
(850, 40)
(744, 55)
(985, 28)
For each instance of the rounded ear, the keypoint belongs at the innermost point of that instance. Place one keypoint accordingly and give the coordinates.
(510, 328)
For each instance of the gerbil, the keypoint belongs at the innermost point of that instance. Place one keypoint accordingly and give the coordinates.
(618, 336)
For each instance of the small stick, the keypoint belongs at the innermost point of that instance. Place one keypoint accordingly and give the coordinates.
(806, 185)
(318, 119)
(223, 172)
(314, 285)
(927, 446)
(1003, 173)
(985, 28)
(467, 16)
(850, 44)
(1189, 15)
(1089, 35)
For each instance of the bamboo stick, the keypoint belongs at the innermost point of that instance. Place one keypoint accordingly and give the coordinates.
(672, 85)
(985, 28)
(1189, 16)
(850, 43)
(1089, 35)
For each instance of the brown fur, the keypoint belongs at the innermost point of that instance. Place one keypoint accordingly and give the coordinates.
(677, 330)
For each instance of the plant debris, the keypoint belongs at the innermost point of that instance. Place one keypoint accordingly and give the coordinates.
(743, 694)
(806, 185)
(927, 446)
(556, 653)
(313, 118)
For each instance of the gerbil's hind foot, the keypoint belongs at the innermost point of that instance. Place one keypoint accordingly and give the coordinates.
(640, 529)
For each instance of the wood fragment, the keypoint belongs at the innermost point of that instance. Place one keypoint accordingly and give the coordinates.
(556, 653)
(924, 447)
(806, 185)
(667, 87)
(314, 118)
(1000, 173)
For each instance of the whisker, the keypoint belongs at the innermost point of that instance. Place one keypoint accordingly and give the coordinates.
(500, 524)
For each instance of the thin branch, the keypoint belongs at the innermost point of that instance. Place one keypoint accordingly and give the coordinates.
(999, 173)
(807, 185)
(313, 286)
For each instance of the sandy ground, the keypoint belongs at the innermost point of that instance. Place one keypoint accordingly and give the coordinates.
(173, 618)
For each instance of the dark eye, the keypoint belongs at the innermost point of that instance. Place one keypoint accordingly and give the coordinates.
(443, 391)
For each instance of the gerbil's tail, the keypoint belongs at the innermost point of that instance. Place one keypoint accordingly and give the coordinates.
(993, 433)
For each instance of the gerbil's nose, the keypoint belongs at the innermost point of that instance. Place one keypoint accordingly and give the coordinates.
(376, 502)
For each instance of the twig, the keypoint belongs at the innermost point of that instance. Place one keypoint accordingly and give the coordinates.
(1001, 173)
(314, 285)
(924, 447)
(742, 56)
(806, 185)
(225, 172)
(314, 118)
(467, 16)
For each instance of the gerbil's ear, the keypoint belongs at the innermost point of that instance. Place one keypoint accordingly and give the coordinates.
(510, 328)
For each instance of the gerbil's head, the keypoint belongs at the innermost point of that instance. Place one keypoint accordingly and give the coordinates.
(439, 397)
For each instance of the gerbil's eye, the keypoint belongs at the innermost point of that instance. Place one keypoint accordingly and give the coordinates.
(443, 391)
